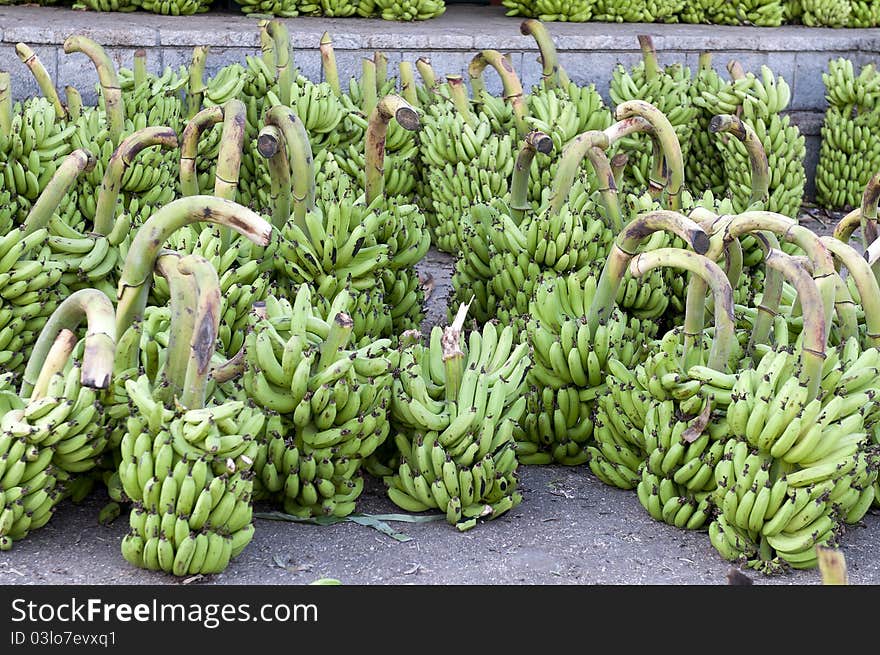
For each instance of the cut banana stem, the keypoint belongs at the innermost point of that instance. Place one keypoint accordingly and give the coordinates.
(865, 281)
(100, 340)
(283, 65)
(299, 155)
(429, 78)
(267, 45)
(458, 93)
(41, 75)
(139, 73)
(391, 106)
(108, 80)
(183, 299)
(770, 298)
(618, 167)
(195, 89)
(189, 146)
(328, 61)
(715, 278)
(77, 162)
(407, 83)
(205, 328)
(760, 168)
(120, 160)
(814, 331)
(74, 102)
(134, 282)
(381, 61)
(552, 73)
(665, 133)
(535, 141)
(270, 145)
(649, 56)
(511, 86)
(368, 85)
(55, 361)
(625, 246)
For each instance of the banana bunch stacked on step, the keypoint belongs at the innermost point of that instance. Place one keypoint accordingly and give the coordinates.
(457, 406)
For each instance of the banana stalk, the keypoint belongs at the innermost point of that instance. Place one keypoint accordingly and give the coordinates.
(189, 146)
(299, 154)
(459, 96)
(534, 143)
(715, 279)
(865, 281)
(229, 155)
(74, 102)
(134, 281)
(121, 159)
(283, 69)
(408, 87)
(78, 161)
(624, 248)
(30, 59)
(511, 85)
(139, 73)
(328, 62)
(205, 327)
(423, 65)
(270, 144)
(56, 358)
(453, 355)
(183, 298)
(369, 91)
(814, 331)
(195, 90)
(100, 340)
(672, 157)
(760, 169)
(108, 80)
(552, 74)
(390, 106)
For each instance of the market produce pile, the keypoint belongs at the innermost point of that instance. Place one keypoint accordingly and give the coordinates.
(210, 301)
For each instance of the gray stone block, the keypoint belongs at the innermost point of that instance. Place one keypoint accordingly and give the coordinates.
(809, 90)
(596, 68)
(308, 63)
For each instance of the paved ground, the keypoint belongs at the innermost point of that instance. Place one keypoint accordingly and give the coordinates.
(570, 529)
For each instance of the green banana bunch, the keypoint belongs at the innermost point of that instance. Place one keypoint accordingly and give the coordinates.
(456, 407)
(864, 13)
(762, 13)
(174, 7)
(668, 89)
(409, 10)
(704, 167)
(327, 400)
(718, 12)
(637, 11)
(106, 5)
(825, 13)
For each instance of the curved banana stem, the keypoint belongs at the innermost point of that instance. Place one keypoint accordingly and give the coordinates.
(624, 248)
(183, 298)
(270, 144)
(870, 198)
(714, 277)
(56, 359)
(108, 80)
(865, 281)
(511, 85)
(277, 30)
(627, 126)
(328, 62)
(847, 225)
(47, 88)
(814, 331)
(189, 147)
(100, 345)
(195, 90)
(390, 106)
(845, 309)
(134, 282)
(534, 142)
(760, 169)
(231, 145)
(140, 67)
(668, 142)
(591, 144)
(618, 166)
(267, 45)
(552, 73)
(408, 84)
(78, 161)
(368, 85)
(205, 327)
(804, 238)
(733, 262)
(121, 159)
(74, 102)
(423, 65)
(299, 154)
(5, 105)
(771, 296)
(459, 96)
